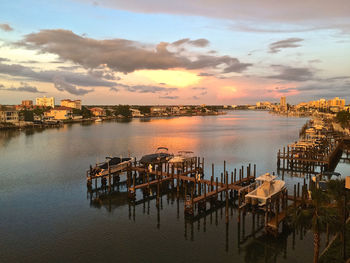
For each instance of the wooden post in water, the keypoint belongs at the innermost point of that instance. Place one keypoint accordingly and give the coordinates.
(235, 175)
(226, 208)
(254, 171)
(109, 178)
(224, 167)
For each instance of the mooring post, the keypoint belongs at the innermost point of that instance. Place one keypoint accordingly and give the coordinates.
(235, 175)
(226, 210)
(254, 171)
(109, 178)
(224, 167)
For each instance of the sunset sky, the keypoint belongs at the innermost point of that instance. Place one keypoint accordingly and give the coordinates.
(174, 52)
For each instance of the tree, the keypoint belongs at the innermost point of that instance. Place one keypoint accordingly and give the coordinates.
(343, 117)
(123, 110)
(85, 112)
(27, 115)
(145, 109)
(315, 214)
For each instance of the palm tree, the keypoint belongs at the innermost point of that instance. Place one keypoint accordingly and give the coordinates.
(336, 190)
(315, 214)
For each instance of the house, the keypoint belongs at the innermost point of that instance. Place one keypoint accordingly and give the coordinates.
(9, 115)
(98, 112)
(75, 104)
(136, 113)
(159, 110)
(60, 113)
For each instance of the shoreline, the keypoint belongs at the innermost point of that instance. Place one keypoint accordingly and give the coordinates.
(59, 123)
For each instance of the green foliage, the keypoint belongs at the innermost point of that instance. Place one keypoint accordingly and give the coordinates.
(108, 113)
(85, 112)
(123, 110)
(145, 109)
(28, 115)
(343, 117)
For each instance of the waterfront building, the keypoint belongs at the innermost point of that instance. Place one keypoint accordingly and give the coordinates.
(158, 110)
(336, 102)
(59, 113)
(283, 103)
(46, 102)
(27, 103)
(8, 115)
(75, 104)
(98, 112)
(136, 113)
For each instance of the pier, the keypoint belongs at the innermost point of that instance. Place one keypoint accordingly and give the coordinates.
(224, 190)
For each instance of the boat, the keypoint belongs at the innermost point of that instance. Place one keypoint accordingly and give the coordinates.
(181, 158)
(113, 163)
(98, 120)
(267, 186)
(161, 155)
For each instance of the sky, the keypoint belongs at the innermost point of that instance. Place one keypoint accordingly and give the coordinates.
(174, 52)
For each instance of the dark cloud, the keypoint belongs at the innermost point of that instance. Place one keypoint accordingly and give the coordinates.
(201, 42)
(61, 85)
(195, 97)
(204, 74)
(169, 97)
(276, 47)
(148, 89)
(4, 60)
(315, 61)
(6, 27)
(113, 89)
(48, 76)
(292, 74)
(123, 55)
(202, 90)
(24, 87)
(232, 64)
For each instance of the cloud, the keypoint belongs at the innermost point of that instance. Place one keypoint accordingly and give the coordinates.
(276, 47)
(201, 42)
(6, 27)
(4, 60)
(123, 55)
(297, 12)
(169, 97)
(204, 74)
(74, 78)
(202, 91)
(24, 87)
(148, 89)
(113, 89)
(62, 85)
(292, 74)
(195, 97)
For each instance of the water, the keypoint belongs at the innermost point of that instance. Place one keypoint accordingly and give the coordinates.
(46, 215)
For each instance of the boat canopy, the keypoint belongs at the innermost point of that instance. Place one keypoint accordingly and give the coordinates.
(266, 177)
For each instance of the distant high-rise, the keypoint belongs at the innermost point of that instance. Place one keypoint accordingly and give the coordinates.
(76, 104)
(47, 102)
(27, 103)
(283, 103)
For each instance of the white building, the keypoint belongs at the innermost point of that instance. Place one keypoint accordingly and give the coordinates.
(136, 113)
(46, 102)
(75, 104)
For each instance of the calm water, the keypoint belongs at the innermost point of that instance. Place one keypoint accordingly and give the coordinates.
(46, 215)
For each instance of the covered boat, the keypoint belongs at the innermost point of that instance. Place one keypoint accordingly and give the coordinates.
(268, 187)
(181, 158)
(161, 155)
(114, 163)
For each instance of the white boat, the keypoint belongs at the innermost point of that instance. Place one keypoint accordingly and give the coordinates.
(98, 120)
(268, 187)
(181, 157)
